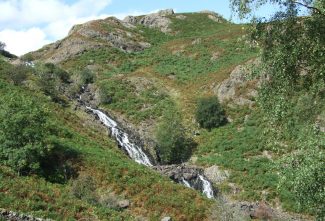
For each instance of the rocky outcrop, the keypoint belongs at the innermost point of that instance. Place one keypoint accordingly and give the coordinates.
(167, 218)
(216, 175)
(181, 17)
(213, 16)
(157, 20)
(179, 172)
(13, 216)
(184, 174)
(238, 88)
(109, 32)
(68, 48)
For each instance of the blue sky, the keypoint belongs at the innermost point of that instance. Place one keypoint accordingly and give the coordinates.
(27, 25)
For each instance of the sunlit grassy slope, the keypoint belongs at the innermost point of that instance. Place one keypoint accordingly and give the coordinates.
(150, 194)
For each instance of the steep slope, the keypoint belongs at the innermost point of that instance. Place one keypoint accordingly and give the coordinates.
(142, 67)
(105, 184)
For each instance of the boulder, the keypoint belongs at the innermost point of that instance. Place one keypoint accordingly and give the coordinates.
(166, 12)
(215, 174)
(228, 90)
(156, 21)
(123, 204)
(181, 17)
(215, 56)
(197, 41)
(167, 218)
(214, 18)
(13, 216)
(131, 20)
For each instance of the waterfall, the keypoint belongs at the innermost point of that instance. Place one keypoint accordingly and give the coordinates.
(137, 154)
(186, 183)
(207, 187)
(134, 152)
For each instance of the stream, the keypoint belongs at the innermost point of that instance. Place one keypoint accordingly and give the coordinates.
(135, 152)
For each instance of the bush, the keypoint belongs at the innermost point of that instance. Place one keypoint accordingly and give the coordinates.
(58, 72)
(23, 131)
(86, 77)
(84, 188)
(18, 74)
(172, 144)
(209, 113)
(28, 139)
(50, 80)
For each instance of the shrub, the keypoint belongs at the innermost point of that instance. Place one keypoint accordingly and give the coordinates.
(172, 144)
(50, 79)
(28, 141)
(84, 188)
(18, 74)
(23, 131)
(209, 113)
(86, 77)
(57, 72)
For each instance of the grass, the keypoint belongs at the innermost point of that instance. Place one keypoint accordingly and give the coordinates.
(148, 103)
(150, 194)
(239, 148)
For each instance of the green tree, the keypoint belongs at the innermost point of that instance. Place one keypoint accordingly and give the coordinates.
(292, 54)
(172, 143)
(24, 127)
(2, 46)
(303, 174)
(209, 113)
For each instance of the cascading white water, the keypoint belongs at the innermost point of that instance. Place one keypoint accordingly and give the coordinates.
(207, 187)
(122, 138)
(186, 183)
(137, 154)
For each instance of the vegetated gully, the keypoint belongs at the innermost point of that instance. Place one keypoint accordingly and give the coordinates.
(194, 179)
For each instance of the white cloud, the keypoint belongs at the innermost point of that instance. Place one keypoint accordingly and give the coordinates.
(26, 25)
(22, 13)
(20, 42)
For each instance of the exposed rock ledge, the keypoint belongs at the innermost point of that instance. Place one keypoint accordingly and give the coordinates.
(182, 173)
(239, 89)
(13, 216)
(156, 20)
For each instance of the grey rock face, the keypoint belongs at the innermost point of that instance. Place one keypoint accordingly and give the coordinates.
(214, 18)
(123, 204)
(215, 174)
(88, 36)
(118, 40)
(131, 19)
(156, 21)
(166, 12)
(181, 17)
(227, 90)
(13, 216)
(65, 49)
(167, 218)
(181, 173)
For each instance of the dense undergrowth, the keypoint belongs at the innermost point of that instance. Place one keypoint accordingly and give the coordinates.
(112, 172)
(176, 71)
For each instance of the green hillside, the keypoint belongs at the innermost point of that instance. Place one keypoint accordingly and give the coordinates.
(140, 74)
